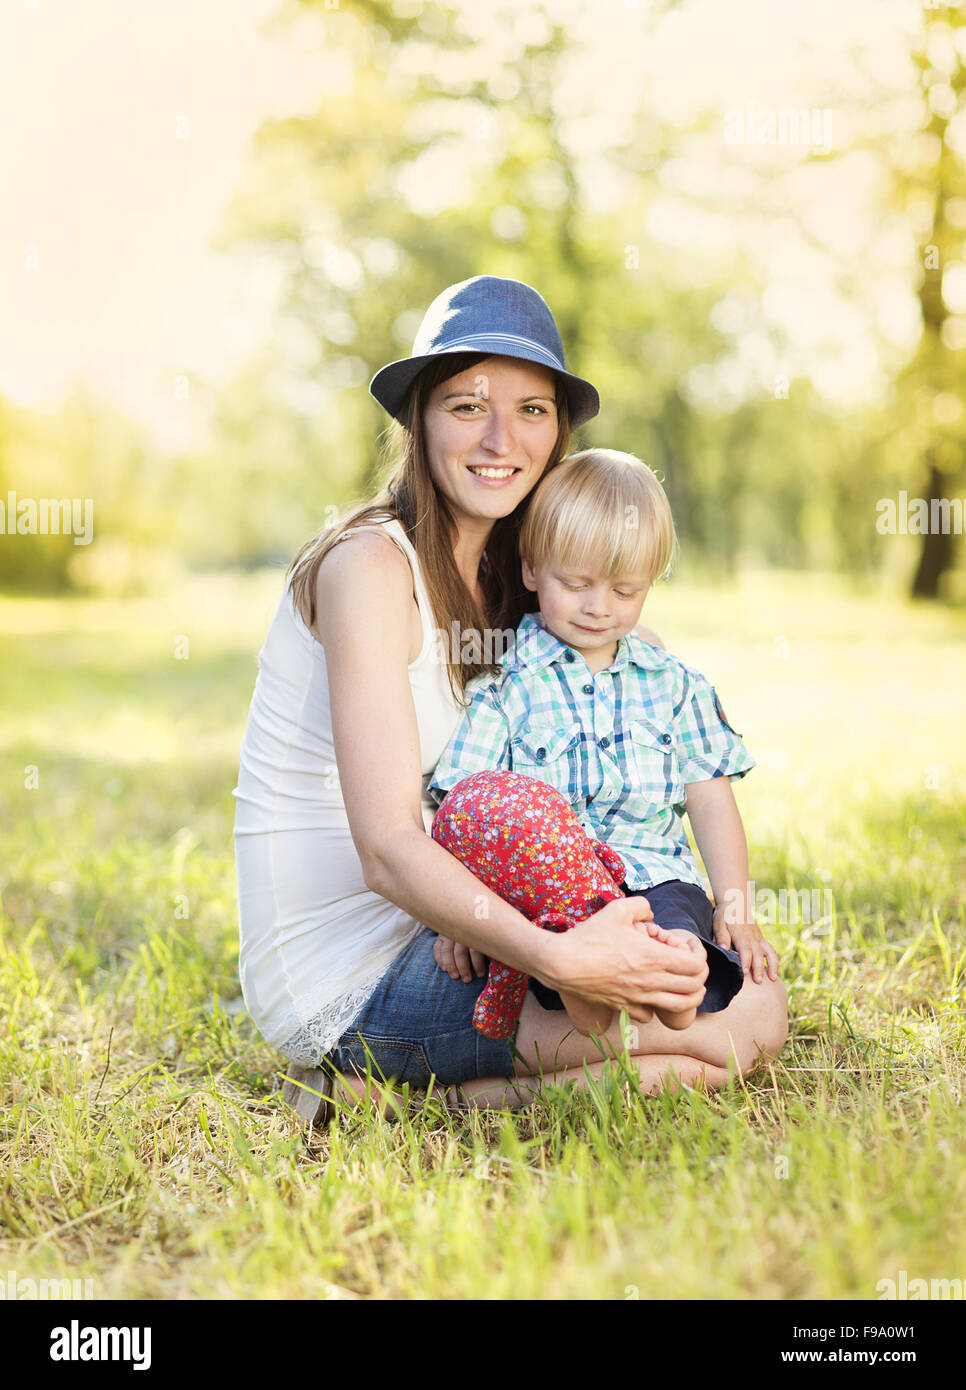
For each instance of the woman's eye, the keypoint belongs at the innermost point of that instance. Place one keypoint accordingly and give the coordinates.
(537, 409)
(468, 405)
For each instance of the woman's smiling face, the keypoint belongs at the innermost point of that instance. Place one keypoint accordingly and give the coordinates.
(489, 433)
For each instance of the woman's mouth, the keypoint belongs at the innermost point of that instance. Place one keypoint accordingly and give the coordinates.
(492, 473)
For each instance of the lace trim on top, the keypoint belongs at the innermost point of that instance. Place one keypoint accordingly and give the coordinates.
(319, 1034)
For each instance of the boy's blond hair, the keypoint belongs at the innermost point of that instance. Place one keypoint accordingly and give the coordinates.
(600, 510)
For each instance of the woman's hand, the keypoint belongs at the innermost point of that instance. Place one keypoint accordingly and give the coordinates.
(459, 961)
(596, 1018)
(612, 959)
(755, 953)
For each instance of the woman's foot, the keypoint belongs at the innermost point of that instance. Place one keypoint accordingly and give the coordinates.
(308, 1091)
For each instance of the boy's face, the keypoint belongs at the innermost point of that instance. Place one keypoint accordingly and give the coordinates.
(591, 612)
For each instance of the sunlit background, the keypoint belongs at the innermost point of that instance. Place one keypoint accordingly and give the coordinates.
(219, 220)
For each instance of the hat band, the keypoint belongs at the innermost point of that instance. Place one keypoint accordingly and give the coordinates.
(489, 339)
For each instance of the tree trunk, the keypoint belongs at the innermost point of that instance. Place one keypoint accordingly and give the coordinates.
(936, 555)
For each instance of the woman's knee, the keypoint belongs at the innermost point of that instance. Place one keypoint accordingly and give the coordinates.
(776, 1018)
(751, 1030)
(763, 1030)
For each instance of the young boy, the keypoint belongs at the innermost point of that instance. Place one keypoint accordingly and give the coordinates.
(624, 730)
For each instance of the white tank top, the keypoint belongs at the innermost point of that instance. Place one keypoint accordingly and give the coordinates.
(314, 940)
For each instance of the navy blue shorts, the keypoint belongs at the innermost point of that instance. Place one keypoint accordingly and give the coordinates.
(682, 906)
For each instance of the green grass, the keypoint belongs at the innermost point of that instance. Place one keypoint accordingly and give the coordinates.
(142, 1137)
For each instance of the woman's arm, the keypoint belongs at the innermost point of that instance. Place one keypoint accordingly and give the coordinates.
(364, 605)
(650, 636)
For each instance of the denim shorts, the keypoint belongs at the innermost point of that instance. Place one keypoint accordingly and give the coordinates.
(419, 1023)
(681, 906)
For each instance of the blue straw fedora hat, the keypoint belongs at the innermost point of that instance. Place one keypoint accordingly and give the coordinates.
(501, 318)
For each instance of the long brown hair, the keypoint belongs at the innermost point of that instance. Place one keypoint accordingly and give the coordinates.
(410, 495)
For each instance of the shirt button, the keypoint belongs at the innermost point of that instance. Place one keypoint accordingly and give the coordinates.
(569, 656)
(605, 743)
(588, 689)
(541, 755)
(665, 738)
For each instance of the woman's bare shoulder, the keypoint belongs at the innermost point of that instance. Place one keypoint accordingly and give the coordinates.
(367, 577)
(358, 555)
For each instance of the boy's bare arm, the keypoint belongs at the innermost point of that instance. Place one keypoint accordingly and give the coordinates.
(721, 842)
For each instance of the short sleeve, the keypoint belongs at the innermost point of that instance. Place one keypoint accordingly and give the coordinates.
(481, 742)
(707, 745)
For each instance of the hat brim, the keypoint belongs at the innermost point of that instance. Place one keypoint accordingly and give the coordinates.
(390, 386)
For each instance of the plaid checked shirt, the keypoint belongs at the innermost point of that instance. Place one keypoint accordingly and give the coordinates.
(620, 745)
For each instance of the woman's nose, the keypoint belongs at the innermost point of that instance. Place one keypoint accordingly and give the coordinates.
(498, 438)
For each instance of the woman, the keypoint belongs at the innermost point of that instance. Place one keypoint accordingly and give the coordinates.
(361, 937)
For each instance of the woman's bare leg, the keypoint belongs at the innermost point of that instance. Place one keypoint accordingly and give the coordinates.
(717, 1046)
(754, 1024)
(656, 1073)
(714, 1048)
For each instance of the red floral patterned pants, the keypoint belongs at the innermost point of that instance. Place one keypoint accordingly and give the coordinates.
(523, 840)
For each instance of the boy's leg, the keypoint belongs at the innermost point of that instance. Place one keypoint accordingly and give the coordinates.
(685, 910)
(542, 862)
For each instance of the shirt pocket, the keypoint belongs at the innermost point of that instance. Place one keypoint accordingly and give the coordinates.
(652, 759)
(550, 755)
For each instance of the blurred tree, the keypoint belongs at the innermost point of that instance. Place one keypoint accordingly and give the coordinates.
(32, 562)
(451, 140)
(275, 455)
(911, 149)
(934, 378)
(89, 452)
